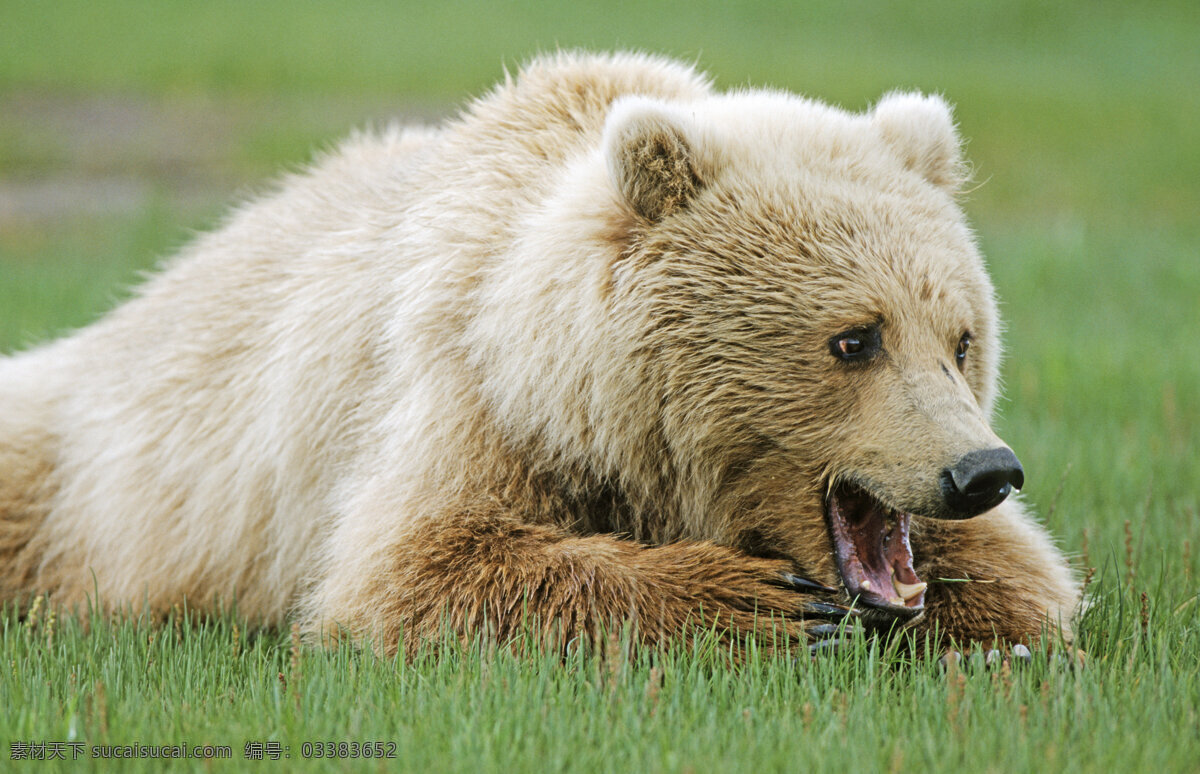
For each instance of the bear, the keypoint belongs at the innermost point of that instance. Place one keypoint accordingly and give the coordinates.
(609, 348)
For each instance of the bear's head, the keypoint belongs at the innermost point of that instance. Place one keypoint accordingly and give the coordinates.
(815, 332)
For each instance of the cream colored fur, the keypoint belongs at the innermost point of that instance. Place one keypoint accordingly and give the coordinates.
(431, 318)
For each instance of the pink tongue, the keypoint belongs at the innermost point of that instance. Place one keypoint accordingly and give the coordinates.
(873, 551)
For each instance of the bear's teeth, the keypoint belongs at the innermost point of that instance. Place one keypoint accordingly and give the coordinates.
(866, 585)
(908, 590)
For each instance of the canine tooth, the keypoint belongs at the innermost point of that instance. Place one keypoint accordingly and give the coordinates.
(866, 585)
(908, 590)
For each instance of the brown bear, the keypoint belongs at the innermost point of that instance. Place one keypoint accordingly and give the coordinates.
(611, 347)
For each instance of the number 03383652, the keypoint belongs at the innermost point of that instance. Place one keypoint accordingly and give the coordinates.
(348, 750)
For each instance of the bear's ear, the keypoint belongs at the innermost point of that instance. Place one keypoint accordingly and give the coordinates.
(650, 160)
(920, 129)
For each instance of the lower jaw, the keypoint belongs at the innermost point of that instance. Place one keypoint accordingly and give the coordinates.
(881, 618)
(884, 611)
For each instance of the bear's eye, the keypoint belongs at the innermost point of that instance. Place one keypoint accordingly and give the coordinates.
(855, 345)
(960, 354)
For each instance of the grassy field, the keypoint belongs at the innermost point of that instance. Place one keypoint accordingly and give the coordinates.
(127, 126)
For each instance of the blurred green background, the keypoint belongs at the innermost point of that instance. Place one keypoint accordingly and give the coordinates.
(125, 126)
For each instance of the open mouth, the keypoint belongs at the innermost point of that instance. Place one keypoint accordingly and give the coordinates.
(873, 553)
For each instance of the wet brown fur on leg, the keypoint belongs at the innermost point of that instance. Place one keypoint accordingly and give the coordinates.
(483, 570)
(990, 582)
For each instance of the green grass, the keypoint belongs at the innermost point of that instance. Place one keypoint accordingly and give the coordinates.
(1085, 133)
(472, 708)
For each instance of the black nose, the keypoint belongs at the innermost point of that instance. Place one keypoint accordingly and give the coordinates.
(981, 480)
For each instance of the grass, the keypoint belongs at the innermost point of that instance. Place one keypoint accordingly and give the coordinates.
(473, 708)
(1086, 139)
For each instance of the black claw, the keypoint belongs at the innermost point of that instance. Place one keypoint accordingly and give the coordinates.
(823, 630)
(826, 646)
(804, 584)
(826, 611)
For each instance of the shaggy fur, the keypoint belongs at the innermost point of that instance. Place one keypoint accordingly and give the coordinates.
(563, 359)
